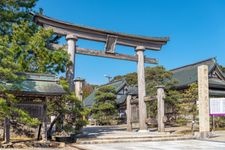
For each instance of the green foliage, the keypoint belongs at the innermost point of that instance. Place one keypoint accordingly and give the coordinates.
(13, 12)
(153, 76)
(32, 52)
(8, 74)
(24, 47)
(105, 107)
(151, 109)
(8, 67)
(222, 68)
(69, 110)
(8, 109)
(131, 78)
(173, 98)
(87, 90)
(181, 121)
(188, 104)
(25, 51)
(74, 113)
(156, 76)
(219, 122)
(24, 117)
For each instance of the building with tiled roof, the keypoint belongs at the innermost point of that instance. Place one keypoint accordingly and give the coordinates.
(35, 84)
(121, 91)
(188, 74)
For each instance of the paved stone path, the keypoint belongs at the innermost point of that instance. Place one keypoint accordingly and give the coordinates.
(162, 145)
(215, 143)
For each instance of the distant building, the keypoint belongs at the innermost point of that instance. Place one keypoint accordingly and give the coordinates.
(188, 74)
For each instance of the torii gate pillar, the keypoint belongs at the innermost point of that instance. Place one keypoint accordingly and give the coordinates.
(78, 82)
(141, 88)
(71, 41)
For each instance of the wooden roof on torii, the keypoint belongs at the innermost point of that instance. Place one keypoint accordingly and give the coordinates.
(110, 38)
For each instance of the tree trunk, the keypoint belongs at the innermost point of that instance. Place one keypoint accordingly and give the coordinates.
(7, 130)
(39, 132)
(49, 132)
(192, 124)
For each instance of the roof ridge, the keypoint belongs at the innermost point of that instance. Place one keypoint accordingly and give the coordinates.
(114, 81)
(34, 73)
(213, 59)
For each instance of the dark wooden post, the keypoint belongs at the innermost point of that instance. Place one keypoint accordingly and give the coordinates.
(39, 132)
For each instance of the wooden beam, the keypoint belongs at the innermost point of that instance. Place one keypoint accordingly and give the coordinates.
(110, 44)
(83, 32)
(150, 98)
(134, 101)
(98, 53)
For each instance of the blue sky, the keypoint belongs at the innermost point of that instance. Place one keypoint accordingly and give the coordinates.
(196, 29)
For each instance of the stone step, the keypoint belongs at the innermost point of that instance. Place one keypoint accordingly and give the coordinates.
(132, 136)
(127, 139)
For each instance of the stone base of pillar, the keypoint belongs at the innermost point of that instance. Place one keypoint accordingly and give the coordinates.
(161, 130)
(143, 131)
(129, 127)
(204, 135)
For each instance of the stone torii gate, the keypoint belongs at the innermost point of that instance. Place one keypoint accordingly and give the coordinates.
(111, 39)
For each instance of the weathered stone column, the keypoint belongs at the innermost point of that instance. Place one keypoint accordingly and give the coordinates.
(160, 108)
(141, 88)
(79, 88)
(71, 41)
(44, 122)
(203, 97)
(128, 111)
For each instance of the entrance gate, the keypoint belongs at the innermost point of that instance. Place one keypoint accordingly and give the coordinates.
(111, 39)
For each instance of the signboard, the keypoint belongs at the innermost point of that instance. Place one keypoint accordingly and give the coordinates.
(217, 106)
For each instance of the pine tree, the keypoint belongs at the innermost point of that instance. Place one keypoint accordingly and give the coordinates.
(155, 76)
(8, 80)
(23, 48)
(68, 111)
(188, 104)
(13, 12)
(105, 107)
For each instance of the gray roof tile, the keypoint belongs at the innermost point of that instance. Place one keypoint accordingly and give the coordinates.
(38, 84)
(118, 85)
(188, 74)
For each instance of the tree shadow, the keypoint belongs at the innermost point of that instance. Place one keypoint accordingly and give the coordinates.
(96, 131)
